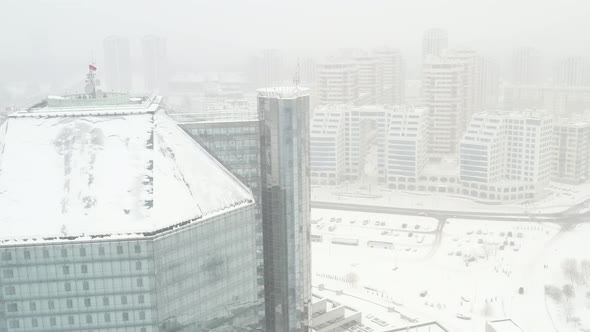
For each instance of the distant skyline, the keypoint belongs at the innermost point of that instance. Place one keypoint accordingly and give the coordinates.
(218, 32)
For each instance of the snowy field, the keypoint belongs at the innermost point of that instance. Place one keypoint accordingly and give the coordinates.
(460, 273)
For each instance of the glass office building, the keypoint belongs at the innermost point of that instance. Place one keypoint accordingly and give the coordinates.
(114, 219)
(231, 135)
(284, 149)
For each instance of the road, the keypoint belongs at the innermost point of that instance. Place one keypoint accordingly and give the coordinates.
(570, 216)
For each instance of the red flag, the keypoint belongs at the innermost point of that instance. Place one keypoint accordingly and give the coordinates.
(92, 67)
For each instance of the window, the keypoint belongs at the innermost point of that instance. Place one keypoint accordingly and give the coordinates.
(51, 304)
(84, 268)
(71, 320)
(138, 266)
(87, 302)
(68, 286)
(14, 323)
(52, 321)
(6, 256)
(125, 316)
(32, 306)
(34, 322)
(137, 249)
(64, 253)
(69, 303)
(10, 290)
(45, 253)
(140, 299)
(139, 282)
(101, 251)
(83, 252)
(85, 285)
(123, 299)
(8, 273)
(105, 301)
(27, 254)
(66, 269)
(88, 319)
(107, 317)
(12, 307)
(119, 250)
(142, 315)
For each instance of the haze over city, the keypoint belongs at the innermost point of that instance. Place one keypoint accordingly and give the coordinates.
(295, 166)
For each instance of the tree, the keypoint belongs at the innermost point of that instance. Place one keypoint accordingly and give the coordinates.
(585, 271)
(570, 270)
(568, 291)
(554, 293)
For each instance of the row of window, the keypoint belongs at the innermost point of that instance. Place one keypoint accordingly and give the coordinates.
(7, 255)
(13, 307)
(71, 320)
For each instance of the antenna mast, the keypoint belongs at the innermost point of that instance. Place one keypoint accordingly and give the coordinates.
(296, 77)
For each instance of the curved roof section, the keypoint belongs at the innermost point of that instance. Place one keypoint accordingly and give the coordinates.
(106, 170)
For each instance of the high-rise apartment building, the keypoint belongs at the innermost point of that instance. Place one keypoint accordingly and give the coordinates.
(571, 151)
(155, 71)
(268, 68)
(434, 42)
(117, 64)
(407, 147)
(346, 139)
(393, 76)
(327, 142)
(572, 72)
(129, 225)
(443, 93)
(506, 156)
(471, 80)
(370, 79)
(525, 66)
(337, 82)
(284, 149)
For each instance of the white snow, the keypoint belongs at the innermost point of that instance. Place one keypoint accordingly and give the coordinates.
(470, 267)
(105, 170)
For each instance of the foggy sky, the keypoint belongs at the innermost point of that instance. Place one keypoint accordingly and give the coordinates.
(217, 31)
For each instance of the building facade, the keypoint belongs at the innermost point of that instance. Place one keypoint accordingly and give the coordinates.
(571, 151)
(117, 64)
(506, 156)
(327, 147)
(155, 69)
(284, 149)
(135, 227)
(407, 148)
(434, 42)
(443, 93)
(337, 82)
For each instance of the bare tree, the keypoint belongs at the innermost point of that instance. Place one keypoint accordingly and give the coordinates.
(570, 270)
(568, 291)
(554, 293)
(585, 271)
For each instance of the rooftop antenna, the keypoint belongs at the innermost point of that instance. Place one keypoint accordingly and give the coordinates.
(90, 87)
(296, 77)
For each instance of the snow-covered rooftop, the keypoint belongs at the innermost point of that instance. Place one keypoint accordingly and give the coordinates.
(283, 92)
(106, 169)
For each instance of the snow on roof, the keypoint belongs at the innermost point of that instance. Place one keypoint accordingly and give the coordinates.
(504, 325)
(283, 92)
(106, 170)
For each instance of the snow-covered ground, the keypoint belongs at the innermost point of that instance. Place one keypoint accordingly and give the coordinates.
(472, 269)
(560, 198)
